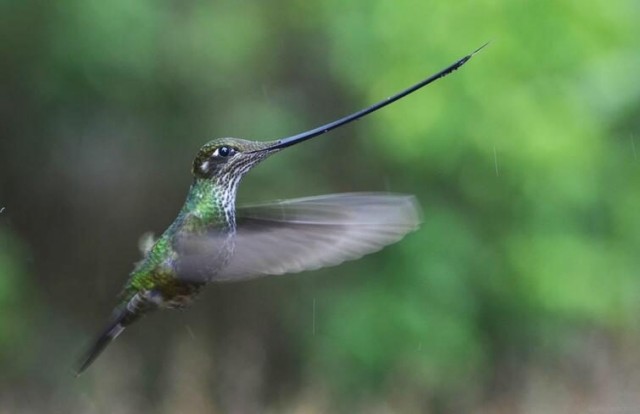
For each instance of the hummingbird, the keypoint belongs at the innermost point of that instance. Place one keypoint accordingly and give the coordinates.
(213, 241)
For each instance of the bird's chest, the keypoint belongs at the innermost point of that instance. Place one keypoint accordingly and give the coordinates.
(184, 259)
(204, 244)
(177, 279)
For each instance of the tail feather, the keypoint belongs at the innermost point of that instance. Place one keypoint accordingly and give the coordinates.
(112, 331)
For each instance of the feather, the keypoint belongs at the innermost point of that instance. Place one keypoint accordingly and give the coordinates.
(301, 234)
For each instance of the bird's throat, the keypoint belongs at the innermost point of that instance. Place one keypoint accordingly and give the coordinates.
(210, 203)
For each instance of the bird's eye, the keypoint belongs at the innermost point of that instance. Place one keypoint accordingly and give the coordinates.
(223, 151)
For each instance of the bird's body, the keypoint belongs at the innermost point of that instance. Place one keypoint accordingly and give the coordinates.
(211, 240)
(157, 272)
(209, 208)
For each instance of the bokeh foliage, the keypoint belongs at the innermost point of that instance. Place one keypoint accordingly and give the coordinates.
(525, 161)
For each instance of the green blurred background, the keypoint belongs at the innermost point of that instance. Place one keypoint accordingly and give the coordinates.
(519, 294)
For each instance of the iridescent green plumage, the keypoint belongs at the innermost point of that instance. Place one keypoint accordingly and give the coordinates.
(209, 206)
(202, 209)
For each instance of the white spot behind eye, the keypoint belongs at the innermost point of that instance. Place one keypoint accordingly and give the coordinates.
(204, 166)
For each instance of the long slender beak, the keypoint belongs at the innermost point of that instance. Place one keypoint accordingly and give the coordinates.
(303, 136)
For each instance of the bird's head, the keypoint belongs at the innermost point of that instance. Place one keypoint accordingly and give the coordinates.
(229, 157)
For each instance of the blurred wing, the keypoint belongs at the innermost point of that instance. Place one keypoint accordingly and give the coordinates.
(308, 233)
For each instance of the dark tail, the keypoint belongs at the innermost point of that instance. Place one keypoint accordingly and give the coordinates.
(115, 328)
